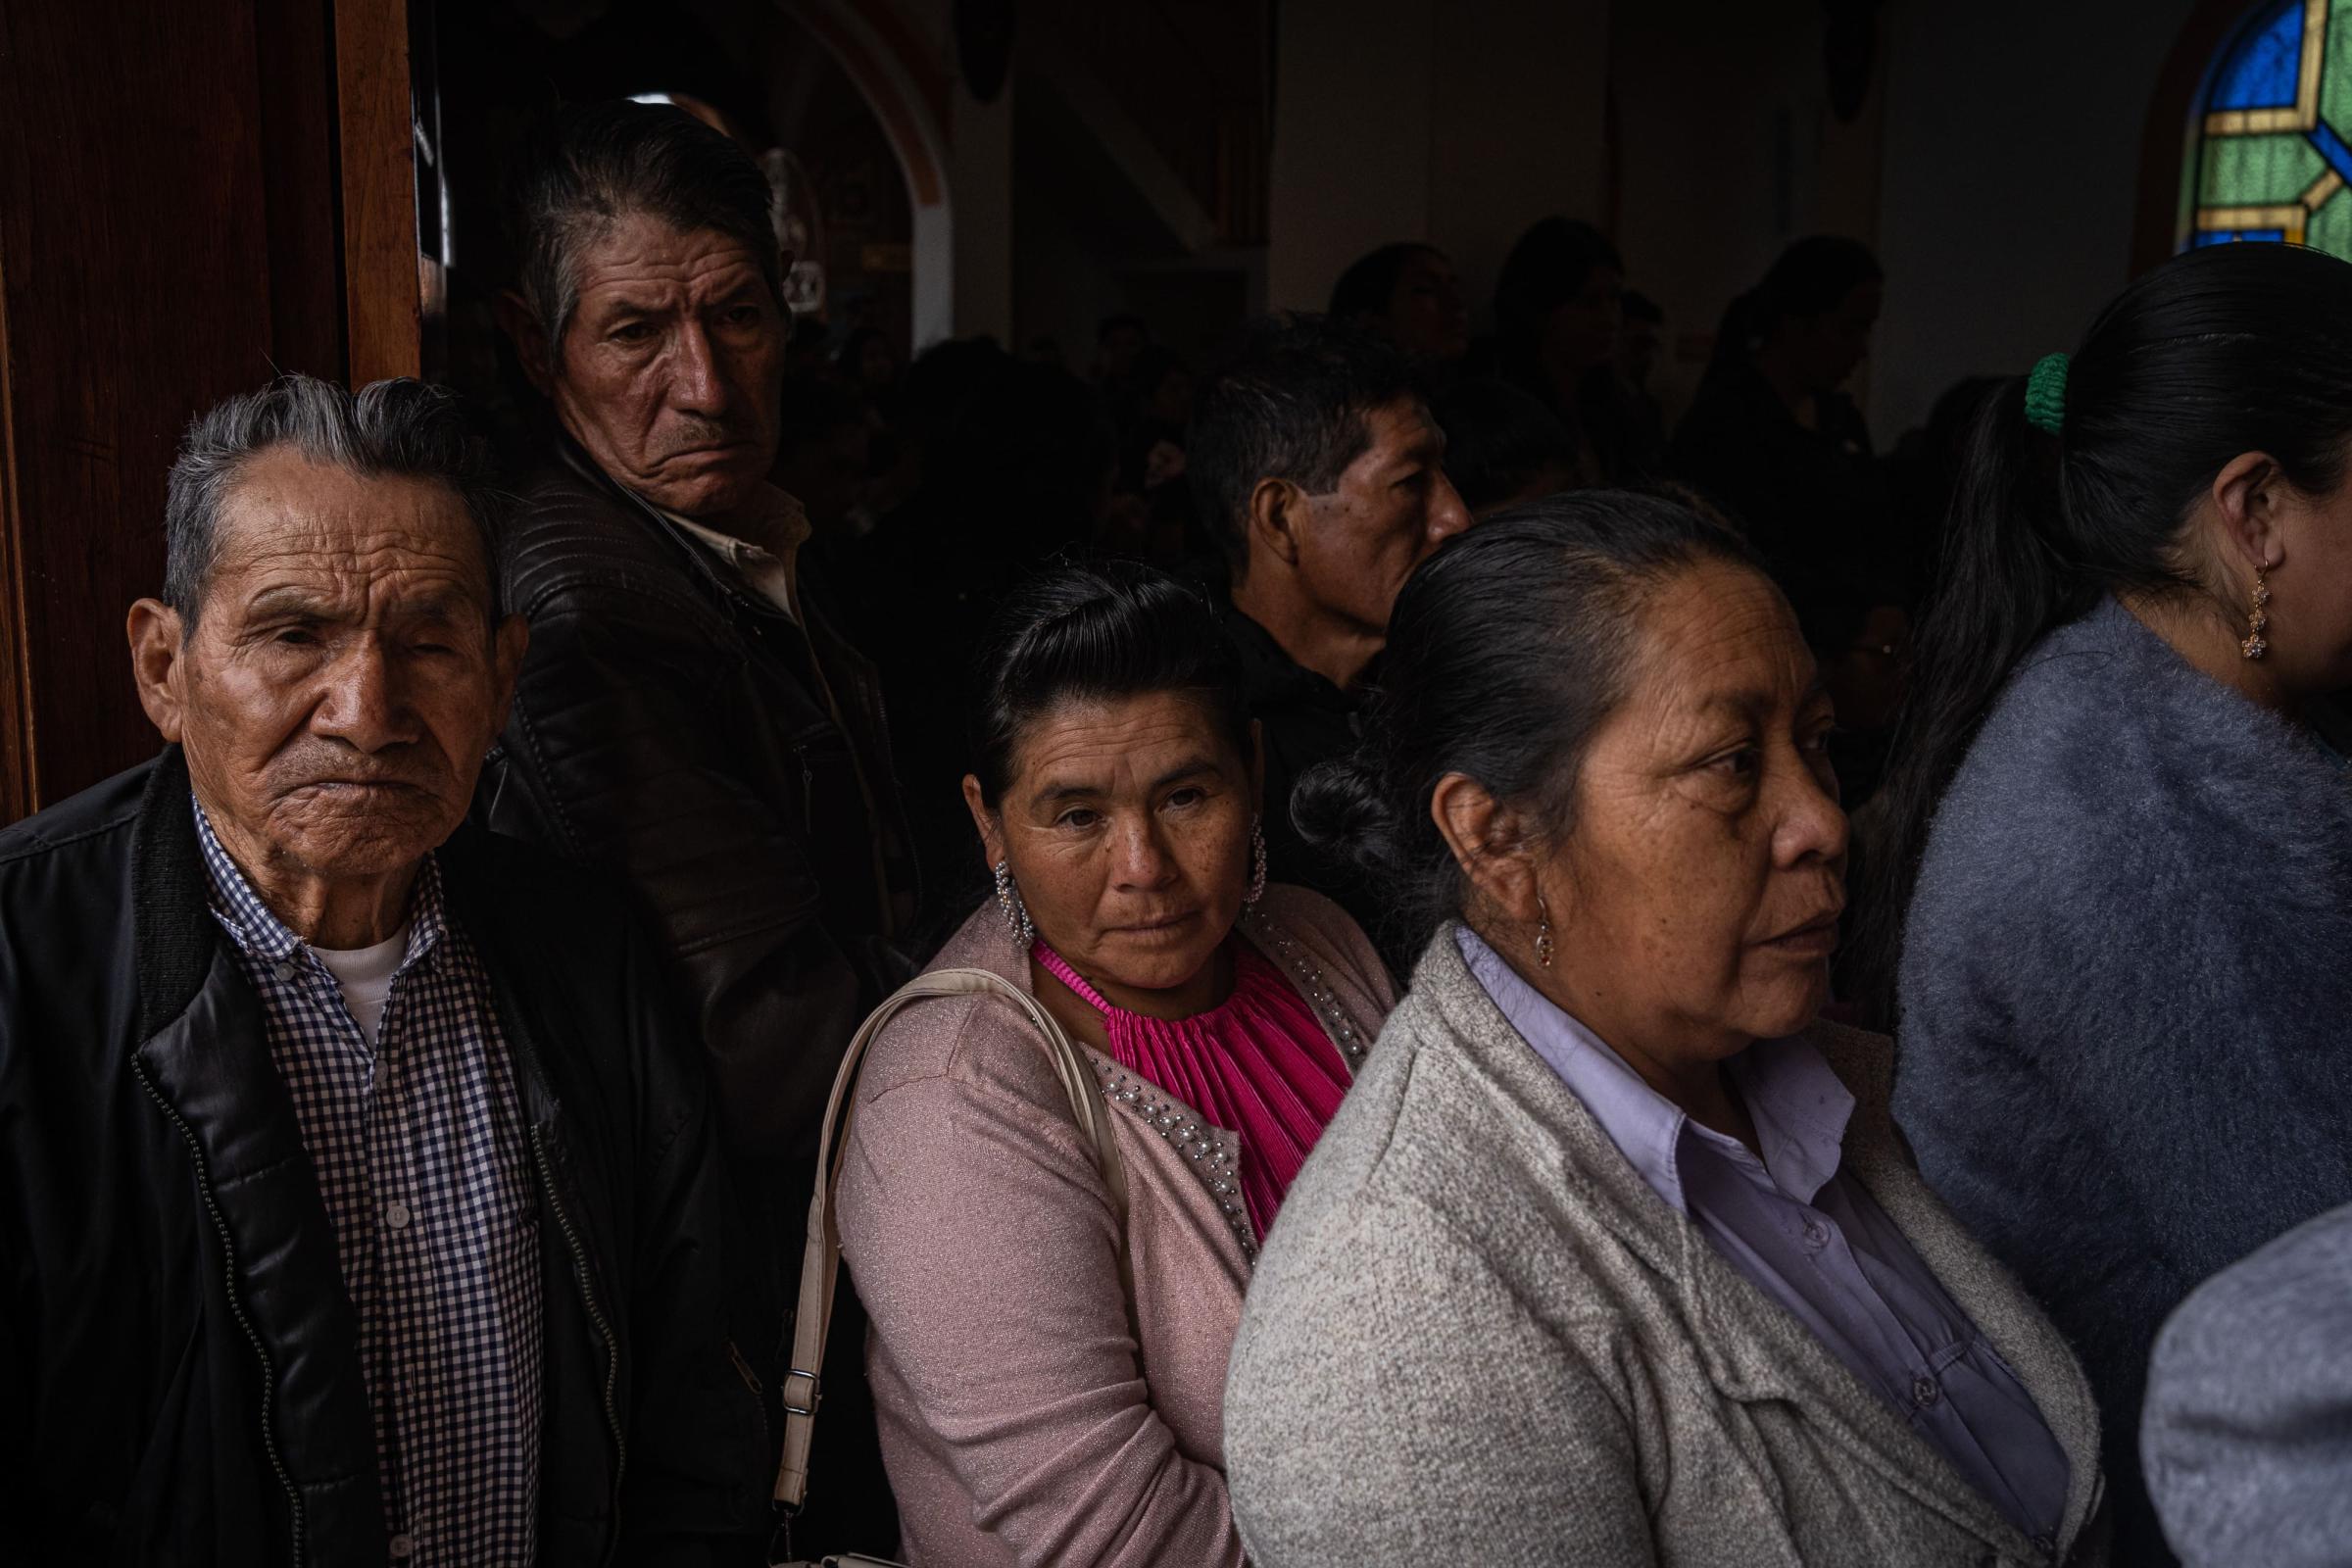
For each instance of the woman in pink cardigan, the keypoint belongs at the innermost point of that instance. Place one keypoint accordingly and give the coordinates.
(1051, 1382)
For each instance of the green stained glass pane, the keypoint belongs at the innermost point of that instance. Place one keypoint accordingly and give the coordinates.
(2336, 82)
(2258, 171)
(2331, 226)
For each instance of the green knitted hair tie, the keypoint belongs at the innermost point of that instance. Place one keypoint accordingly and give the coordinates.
(2046, 393)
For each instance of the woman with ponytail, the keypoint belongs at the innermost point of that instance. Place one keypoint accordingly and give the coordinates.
(2114, 907)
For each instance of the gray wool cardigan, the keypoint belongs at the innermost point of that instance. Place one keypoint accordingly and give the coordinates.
(1476, 1336)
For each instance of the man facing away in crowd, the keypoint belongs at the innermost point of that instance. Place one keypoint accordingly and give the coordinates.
(357, 1202)
(1318, 468)
(685, 716)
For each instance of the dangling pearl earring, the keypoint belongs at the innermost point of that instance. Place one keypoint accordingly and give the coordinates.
(2254, 647)
(1016, 912)
(1258, 863)
(1543, 933)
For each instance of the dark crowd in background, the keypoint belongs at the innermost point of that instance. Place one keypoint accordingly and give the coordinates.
(935, 485)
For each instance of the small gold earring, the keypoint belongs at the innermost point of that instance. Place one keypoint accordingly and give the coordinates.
(1543, 933)
(2254, 646)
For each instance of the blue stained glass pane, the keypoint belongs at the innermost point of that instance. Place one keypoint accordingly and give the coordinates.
(2331, 147)
(2265, 70)
(2233, 236)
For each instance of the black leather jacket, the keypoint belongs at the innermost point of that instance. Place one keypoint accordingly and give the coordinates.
(671, 726)
(179, 1372)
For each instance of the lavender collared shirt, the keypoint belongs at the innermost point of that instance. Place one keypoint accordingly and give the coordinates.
(1805, 1231)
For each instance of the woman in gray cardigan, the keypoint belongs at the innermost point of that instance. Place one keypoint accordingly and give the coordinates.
(2126, 974)
(1612, 1256)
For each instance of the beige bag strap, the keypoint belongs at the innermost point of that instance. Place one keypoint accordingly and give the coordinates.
(821, 1260)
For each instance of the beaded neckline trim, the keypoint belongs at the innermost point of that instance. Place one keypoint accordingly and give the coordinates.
(1213, 1151)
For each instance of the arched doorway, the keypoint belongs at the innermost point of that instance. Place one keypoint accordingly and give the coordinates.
(902, 89)
(829, 86)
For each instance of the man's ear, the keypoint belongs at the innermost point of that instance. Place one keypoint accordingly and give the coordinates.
(1277, 509)
(1486, 844)
(2248, 493)
(524, 330)
(155, 633)
(991, 833)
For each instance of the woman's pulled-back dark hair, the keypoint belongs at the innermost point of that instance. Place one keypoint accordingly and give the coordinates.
(1090, 631)
(2219, 351)
(1507, 650)
(1811, 277)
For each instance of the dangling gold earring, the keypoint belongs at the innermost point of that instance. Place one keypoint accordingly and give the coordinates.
(2254, 647)
(1543, 933)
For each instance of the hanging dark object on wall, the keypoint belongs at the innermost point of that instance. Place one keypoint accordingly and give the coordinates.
(1849, 52)
(984, 45)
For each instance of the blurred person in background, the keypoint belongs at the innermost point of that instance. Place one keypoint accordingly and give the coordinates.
(1771, 434)
(1558, 307)
(1410, 294)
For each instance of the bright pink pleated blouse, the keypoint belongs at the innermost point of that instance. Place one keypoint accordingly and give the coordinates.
(1258, 1064)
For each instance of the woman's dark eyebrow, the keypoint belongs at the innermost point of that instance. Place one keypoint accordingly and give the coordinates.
(1184, 770)
(1192, 769)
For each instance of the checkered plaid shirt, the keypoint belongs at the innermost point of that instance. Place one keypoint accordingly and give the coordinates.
(421, 1158)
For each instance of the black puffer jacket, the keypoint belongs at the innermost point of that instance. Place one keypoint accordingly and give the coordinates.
(180, 1374)
(674, 727)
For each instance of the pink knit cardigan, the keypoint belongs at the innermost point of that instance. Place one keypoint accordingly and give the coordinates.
(1029, 1414)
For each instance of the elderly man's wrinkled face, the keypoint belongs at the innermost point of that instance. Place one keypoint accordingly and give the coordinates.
(671, 371)
(1695, 900)
(343, 680)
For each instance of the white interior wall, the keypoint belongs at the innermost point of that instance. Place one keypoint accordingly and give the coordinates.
(1728, 150)
(2012, 162)
(1455, 122)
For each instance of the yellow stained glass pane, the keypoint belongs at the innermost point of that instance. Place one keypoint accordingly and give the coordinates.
(2332, 226)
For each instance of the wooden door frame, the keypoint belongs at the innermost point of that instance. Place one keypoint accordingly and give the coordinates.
(337, 165)
(18, 795)
(382, 302)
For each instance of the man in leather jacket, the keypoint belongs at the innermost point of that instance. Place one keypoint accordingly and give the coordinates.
(686, 716)
(357, 1195)
(685, 713)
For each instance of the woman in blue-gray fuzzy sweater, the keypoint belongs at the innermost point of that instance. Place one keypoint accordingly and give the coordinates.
(2124, 984)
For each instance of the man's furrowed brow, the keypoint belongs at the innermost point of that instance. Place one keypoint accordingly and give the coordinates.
(288, 601)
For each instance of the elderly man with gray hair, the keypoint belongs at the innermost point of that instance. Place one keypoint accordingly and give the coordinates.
(357, 1202)
(686, 717)
(686, 714)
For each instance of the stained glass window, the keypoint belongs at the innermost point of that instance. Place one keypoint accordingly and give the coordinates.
(2271, 163)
